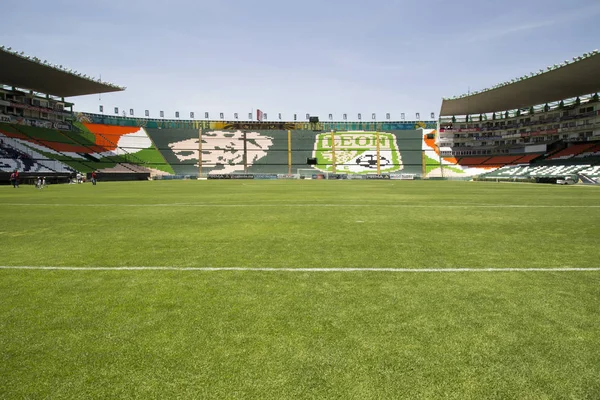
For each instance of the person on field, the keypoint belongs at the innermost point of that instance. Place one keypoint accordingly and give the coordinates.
(94, 178)
(13, 180)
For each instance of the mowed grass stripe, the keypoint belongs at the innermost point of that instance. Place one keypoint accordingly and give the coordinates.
(304, 205)
(341, 269)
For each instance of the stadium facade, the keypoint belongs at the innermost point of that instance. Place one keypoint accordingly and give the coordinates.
(545, 125)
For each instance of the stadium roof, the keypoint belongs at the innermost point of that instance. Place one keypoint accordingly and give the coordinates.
(560, 82)
(30, 73)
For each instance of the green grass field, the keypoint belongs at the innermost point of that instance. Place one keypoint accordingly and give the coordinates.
(157, 334)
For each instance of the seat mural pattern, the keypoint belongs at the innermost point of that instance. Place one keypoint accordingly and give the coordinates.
(222, 150)
(86, 148)
(267, 151)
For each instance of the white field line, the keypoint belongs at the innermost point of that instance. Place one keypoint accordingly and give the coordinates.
(301, 205)
(250, 269)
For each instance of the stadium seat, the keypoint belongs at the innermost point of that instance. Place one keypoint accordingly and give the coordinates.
(571, 151)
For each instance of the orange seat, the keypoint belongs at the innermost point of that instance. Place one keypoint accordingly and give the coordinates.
(572, 150)
(472, 161)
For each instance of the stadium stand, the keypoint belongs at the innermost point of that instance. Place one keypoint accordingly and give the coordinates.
(15, 155)
(266, 151)
(591, 152)
(573, 150)
(547, 125)
(543, 121)
(526, 159)
(473, 161)
(68, 150)
(557, 170)
(38, 126)
(501, 160)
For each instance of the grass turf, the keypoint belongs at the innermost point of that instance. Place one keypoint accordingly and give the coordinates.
(169, 334)
(333, 224)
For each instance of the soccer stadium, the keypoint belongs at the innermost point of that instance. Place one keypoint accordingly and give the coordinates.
(494, 134)
(454, 257)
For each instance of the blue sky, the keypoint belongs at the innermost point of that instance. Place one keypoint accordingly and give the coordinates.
(316, 57)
